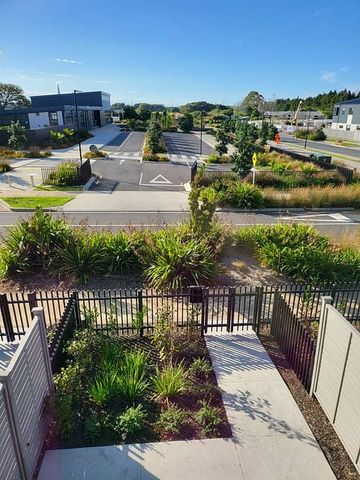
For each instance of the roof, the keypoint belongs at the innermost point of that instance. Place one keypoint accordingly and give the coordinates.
(354, 101)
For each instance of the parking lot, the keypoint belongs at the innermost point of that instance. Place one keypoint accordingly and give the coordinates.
(123, 170)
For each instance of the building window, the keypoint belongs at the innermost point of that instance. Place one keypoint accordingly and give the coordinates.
(341, 126)
(347, 127)
(53, 117)
(357, 127)
(336, 111)
(351, 111)
(69, 117)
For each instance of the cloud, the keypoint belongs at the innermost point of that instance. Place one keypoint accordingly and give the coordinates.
(329, 77)
(65, 75)
(66, 60)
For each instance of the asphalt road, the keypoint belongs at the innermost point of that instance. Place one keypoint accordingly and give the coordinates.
(185, 144)
(352, 152)
(334, 223)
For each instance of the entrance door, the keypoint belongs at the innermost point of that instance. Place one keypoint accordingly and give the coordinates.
(97, 120)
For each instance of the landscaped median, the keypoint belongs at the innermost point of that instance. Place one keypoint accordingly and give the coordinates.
(34, 202)
(155, 149)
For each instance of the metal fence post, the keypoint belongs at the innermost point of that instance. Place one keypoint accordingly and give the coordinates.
(258, 307)
(141, 312)
(5, 312)
(75, 298)
(32, 300)
(231, 310)
(204, 310)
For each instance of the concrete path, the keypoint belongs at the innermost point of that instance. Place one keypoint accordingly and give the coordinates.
(120, 201)
(272, 437)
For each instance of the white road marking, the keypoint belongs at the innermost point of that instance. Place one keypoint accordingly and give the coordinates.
(126, 154)
(338, 217)
(160, 179)
(122, 161)
(184, 157)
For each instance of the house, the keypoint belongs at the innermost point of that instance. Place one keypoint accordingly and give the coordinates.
(58, 111)
(346, 116)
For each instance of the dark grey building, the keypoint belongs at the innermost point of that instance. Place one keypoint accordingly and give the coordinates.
(346, 115)
(58, 110)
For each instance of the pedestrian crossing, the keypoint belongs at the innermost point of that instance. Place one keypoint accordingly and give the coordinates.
(183, 159)
(126, 155)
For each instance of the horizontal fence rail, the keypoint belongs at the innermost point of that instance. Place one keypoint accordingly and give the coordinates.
(138, 310)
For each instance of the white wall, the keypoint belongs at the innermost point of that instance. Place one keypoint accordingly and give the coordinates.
(38, 121)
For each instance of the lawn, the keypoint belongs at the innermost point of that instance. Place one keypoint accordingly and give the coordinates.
(33, 202)
(59, 188)
(136, 389)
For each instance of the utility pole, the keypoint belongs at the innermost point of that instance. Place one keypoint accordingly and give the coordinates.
(307, 130)
(77, 123)
(201, 129)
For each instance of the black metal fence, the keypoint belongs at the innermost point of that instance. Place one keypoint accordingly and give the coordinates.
(294, 338)
(211, 309)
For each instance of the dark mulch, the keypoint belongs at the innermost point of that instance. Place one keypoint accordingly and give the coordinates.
(324, 433)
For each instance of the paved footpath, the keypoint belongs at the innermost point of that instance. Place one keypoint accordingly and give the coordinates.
(271, 439)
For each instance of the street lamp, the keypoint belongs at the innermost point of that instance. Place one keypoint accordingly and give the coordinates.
(201, 129)
(77, 123)
(307, 130)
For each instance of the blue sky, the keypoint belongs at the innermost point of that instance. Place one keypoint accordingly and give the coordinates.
(173, 52)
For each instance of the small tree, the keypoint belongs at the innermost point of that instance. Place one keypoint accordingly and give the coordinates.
(264, 133)
(186, 122)
(246, 136)
(222, 141)
(12, 95)
(17, 139)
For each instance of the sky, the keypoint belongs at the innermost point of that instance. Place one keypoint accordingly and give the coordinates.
(174, 51)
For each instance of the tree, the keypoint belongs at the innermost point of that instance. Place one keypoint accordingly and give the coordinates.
(12, 96)
(222, 141)
(17, 139)
(186, 122)
(252, 101)
(130, 112)
(143, 113)
(246, 136)
(153, 136)
(264, 133)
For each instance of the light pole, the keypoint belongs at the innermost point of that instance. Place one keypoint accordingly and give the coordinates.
(77, 123)
(307, 130)
(201, 129)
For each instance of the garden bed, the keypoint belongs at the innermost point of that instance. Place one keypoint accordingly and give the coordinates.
(117, 389)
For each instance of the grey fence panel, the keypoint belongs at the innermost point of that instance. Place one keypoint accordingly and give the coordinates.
(9, 467)
(336, 379)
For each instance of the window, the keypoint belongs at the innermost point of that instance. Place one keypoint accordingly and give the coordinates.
(53, 117)
(336, 111)
(357, 127)
(69, 117)
(347, 127)
(351, 111)
(341, 126)
(343, 110)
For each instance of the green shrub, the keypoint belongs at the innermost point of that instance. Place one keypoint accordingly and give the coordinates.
(151, 157)
(243, 195)
(103, 388)
(169, 382)
(215, 158)
(132, 376)
(82, 257)
(64, 416)
(209, 418)
(119, 254)
(200, 367)
(130, 422)
(97, 154)
(317, 135)
(301, 252)
(172, 419)
(96, 426)
(176, 263)
(4, 167)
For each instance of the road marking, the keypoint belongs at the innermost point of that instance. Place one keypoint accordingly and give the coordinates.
(126, 154)
(122, 161)
(160, 179)
(338, 217)
(183, 156)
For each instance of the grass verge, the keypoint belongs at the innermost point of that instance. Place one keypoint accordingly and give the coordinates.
(58, 188)
(33, 202)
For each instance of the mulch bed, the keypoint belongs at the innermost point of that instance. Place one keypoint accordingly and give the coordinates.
(322, 429)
